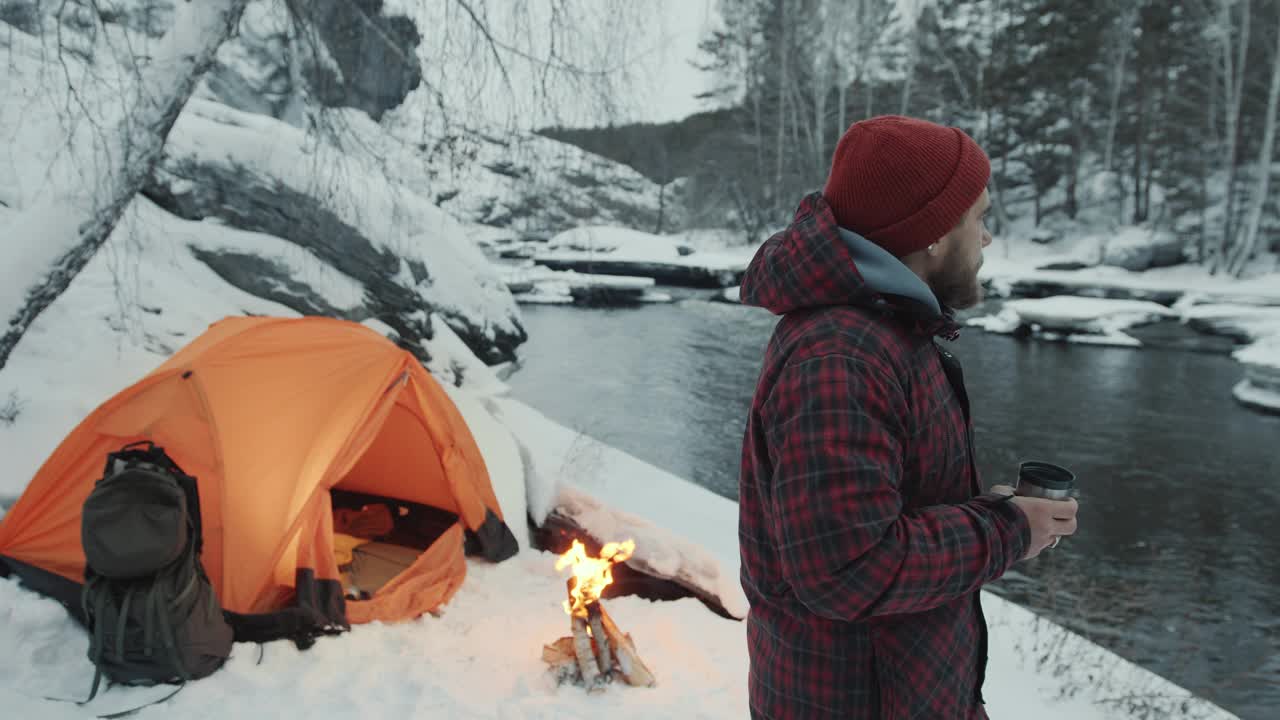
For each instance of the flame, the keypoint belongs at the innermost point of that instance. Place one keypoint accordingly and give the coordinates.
(591, 575)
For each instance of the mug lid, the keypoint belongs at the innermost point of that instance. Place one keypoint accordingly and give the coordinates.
(1046, 475)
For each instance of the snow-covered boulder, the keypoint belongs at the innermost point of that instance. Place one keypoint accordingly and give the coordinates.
(350, 55)
(255, 173)
(1087, 315)
(1078, 319)
(667, 259)
(537, 187)
(1138, 248)
(1243, 323)
(261, 69)
(1260, 388)
(482, 173)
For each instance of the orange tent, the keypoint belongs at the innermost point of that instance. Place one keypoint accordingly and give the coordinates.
(281, 421)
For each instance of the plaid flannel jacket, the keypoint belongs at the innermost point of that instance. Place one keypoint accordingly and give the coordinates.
(865, 537)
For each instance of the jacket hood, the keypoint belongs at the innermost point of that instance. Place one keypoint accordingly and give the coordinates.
(814, 263)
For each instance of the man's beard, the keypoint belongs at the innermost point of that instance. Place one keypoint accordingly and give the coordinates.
(958, 287)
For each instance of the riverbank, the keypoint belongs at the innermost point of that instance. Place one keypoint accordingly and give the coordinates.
(671, 384)
(1101, 305)
(479, 657)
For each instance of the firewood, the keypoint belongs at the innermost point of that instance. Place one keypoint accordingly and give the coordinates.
(559, 652)
(586, 658)
(628, 660)
(601, 640)
(562, 661)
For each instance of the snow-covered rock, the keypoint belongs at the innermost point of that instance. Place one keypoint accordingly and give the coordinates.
(732, 295)
(263, 68)
(255, 173)
(1260, 388)
(1138, 248)
(350, 54)
(533, 186)
(621, 251)
(1071, 315)
(1252, 395)
(540, 285)
(616, 496)
(1241, 322)
(476, 168)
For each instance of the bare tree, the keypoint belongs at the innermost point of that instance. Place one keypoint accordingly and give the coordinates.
(128, 151)
(913, 56)
(570, 61)
(1233, 75)
(1244, 249)
(1121, 44)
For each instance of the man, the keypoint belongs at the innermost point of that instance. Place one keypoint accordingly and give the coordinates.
(865, 535)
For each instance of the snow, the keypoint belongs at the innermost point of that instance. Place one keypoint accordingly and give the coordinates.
(626, 245)
(1004, 322)
(593, 479)
(1265, 352)
(1085, 320)
(540, 285)
(480, 657)
(145, 294)
(352, 186)
(1245, 308)
(75, 167)
(1175, 280)
(1248, 321)
(140, 298)
(1086, 314)
(1111, 338)
(1252, 395)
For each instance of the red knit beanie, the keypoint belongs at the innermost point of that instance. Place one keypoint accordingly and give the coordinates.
(902, 183)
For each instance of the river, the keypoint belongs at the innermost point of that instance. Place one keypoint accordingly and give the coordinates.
(1176, 565)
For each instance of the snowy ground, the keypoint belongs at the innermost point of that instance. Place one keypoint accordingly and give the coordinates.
(145, 295)
(481, 657)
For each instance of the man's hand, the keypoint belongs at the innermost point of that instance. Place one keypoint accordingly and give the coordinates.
(1050, 519)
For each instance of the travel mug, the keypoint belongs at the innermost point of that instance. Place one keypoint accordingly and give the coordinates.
(1045, 480)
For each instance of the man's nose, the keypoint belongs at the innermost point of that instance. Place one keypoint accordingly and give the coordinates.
(986, 238)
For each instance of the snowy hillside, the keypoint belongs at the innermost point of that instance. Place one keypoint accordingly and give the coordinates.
(434, 137)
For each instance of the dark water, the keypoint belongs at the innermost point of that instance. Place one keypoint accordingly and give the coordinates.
(1177, 562)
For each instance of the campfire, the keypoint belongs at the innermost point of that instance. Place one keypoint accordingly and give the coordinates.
(597, 651)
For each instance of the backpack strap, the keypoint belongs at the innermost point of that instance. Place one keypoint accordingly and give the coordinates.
(167, 639)
(127, 713)
(122, 624)
(99, 636)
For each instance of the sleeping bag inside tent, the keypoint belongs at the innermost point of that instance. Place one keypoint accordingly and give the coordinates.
(337, 481)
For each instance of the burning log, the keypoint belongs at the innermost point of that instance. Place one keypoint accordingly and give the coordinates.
(597, 648)
(586, 658)
(633, 669)
(605, 658)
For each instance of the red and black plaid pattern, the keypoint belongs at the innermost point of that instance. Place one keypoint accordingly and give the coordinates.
(864, 534)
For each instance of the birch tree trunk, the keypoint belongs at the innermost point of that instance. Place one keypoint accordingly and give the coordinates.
(1244, 249)
(842, 121)
(913, 53)
(1124, 40)
(128, 149)
(783, 83)
(1233, 77)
